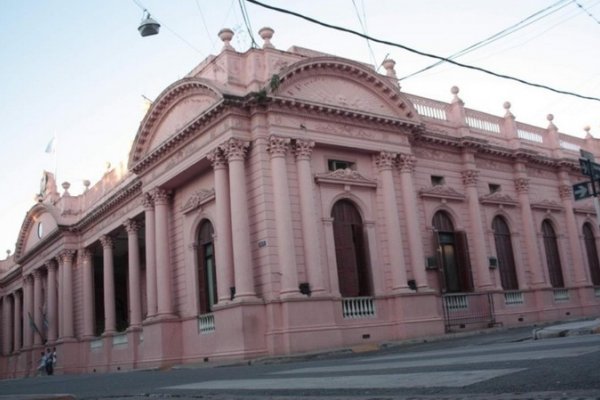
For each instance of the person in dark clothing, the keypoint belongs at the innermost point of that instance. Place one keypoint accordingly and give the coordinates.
(49, 362)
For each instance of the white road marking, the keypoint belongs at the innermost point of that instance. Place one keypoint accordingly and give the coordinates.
(388, 381)
(457, 360)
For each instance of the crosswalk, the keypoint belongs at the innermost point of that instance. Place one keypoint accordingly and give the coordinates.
(421, 369)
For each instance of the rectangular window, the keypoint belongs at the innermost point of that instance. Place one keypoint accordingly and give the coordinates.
(437, 180)
(494, 188)
(334, 165)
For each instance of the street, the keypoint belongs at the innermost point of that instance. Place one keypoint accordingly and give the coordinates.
(499, 365)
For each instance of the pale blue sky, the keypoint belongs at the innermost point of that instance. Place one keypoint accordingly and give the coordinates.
(78, 69)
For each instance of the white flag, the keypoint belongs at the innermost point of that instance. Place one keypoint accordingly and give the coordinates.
(50, 146)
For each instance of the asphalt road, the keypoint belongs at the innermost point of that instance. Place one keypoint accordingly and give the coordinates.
(499, 365)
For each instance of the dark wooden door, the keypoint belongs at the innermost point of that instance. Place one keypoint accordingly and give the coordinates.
(504, 251)
(453, 251)
(592, 253)
(348, 232)
(552, 255)
(207, 280)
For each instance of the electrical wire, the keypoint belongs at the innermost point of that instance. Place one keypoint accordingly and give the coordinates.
(499, 35)
(247, 22)
(422, 53)
(585, 10)
(363, 25)
(208, 35)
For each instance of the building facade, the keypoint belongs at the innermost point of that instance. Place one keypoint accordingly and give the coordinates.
(279, 202)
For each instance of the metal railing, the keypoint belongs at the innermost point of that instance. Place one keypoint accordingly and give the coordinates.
(358, 307)
(468, 308)
(513, 298)
(561, 294)
(206, 323)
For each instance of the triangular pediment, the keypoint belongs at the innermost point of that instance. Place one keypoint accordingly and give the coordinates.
(178, 107)
(344, 84)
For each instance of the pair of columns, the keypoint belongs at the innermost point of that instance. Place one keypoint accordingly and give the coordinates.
(11, 323)
(233, 250)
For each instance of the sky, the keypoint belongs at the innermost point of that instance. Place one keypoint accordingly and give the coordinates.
(78, 71)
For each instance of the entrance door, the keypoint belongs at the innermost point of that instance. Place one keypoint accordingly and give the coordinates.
(352, 268)
(504, 250)
(453, 255)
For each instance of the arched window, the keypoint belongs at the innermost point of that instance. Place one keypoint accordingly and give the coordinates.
(504, 251)
(552, 255)
(350, 244)
(592, 253)
(207, 279)
(453, 255)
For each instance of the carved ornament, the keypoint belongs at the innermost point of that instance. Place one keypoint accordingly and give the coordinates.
(198, 199)
(303, 149)
(498, 198)
(278, 146)
(385, 160)
(549, 205)
(406, 162)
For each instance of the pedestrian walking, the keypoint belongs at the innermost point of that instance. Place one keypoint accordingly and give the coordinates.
(41, 364)
(48, 361)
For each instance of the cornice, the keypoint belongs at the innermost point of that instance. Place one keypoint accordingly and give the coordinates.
(345, 177)
(442, 192)
(44, 243)
(122, 195)
(498, 198)
(547, 205)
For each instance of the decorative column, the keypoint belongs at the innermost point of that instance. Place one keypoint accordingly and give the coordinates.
(109, 285)
(148, 204)
(52, 301)
(235, 150)
(163, 262)
(27, 311)
(223, 241)
(133, 249)
(385, 162)
(529, 232)
(17, 324)
(66, 265)
(6, 322)
(484, 280)
(406, 163)
(566, 196)
(308, 207)
(37, 306)
(278, 148)
(88, 293)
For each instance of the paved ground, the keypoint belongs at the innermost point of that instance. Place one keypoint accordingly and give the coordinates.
(497, 364)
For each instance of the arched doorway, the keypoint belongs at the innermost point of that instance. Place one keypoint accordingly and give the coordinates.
(207, 279)
(453, 255)
(352, 267)
(592, 253)
(552, 255)
(504, 251)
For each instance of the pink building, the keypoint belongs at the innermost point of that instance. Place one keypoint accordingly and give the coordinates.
(279, 202)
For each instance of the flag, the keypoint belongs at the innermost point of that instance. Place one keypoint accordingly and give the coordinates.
(50, 146)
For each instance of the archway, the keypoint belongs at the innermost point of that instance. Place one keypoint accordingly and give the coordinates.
(350, 250)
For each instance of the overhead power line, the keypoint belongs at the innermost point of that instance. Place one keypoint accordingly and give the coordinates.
(585, 10)
(422, 53)
(499, 35)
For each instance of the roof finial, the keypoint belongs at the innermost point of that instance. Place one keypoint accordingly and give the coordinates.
(454, 90)
(506, 106)
(587, 129)
(550, 118)
(226, 35)
(266, 34)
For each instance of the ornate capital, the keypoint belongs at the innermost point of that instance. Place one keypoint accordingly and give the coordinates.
(522, 185)
(51, 265)
(470, 177)
(217, 158)
(37, 274)
(106, 241)
(385, 160)
(565, 192)
(161, 196)
(235, 149)
(278, 146)
(303, 149)
(406, 162)
(131, 226)
(27, 280)
(147, 202)
(85, 254)
(66, 256)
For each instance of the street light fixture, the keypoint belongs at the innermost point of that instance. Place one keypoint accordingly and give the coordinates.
(148, 26)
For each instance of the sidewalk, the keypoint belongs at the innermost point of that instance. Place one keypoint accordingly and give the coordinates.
(588, 327)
